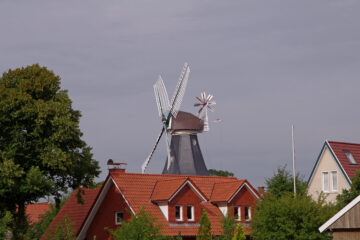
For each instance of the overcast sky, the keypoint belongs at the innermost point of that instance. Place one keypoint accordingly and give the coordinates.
(268, 63)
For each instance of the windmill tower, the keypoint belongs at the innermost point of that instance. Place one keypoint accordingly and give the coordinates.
(183, 153)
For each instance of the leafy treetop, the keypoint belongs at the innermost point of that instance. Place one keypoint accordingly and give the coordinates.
(41, 150)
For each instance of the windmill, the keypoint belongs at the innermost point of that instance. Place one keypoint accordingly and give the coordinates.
(168, 109)
(205, 104)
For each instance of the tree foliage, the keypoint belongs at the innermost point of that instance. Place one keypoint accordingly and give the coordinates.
(282, 182)
(228, 225)
(36, 230)
(348, 195)
(140, 227)
(5, 221)
(204, 231)
(41, 150)
(280, 215)
(239, 234)
(286, 217)
(221, 173)
(64, 230)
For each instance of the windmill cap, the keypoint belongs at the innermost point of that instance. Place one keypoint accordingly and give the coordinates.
(185, 121)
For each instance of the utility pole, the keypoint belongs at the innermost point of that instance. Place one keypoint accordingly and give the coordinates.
(293, 158)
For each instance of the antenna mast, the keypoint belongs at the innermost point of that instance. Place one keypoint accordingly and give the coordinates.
(293, 158)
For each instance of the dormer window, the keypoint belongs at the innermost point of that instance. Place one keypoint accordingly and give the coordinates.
(237, 213)
(119, 216)
(178, 213)
(190, 212)
(350, 157)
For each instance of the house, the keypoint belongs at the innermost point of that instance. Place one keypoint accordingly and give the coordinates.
(176, 201)
(35, 211)
(334, 168)
(345, 224)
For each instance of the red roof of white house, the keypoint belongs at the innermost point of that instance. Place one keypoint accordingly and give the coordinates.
(339, 149)
(142, 190)
(36, 210)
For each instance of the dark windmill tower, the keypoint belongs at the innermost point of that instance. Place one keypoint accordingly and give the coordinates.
(183, 153)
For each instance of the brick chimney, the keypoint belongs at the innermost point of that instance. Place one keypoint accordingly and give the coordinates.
(261, 190)
(116, 166)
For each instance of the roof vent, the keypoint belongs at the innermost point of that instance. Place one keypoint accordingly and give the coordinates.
(116, 165)
(350, 157)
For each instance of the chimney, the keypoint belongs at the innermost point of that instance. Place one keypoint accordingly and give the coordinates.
(261, 190)
(116, 166)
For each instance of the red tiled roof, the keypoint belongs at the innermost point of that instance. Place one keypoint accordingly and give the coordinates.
(354, 148)
(224, 191)
(164, 189)
(36, 210)
(75, 211)
(137, 189)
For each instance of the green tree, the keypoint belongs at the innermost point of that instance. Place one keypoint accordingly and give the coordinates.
(140, 227)
(348, 195)
(5, 221)
(286, 217)
(179, 237)
(204, 231)
(239, 234)
(221, 173)
(41, 150)
(282, 182)
(228, 226)
(64, 230)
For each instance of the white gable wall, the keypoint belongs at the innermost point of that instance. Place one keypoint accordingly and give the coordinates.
(327, 164)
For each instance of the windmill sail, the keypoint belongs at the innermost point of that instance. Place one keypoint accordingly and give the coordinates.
(161, 96)
(144, 165)
(180, 90)
(167, 110)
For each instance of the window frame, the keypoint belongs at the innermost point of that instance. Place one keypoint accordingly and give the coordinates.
(116, 217)
(248, 208)
(238, 217)
(333, 189)
(323, 181)
(192, 213)
(180, 213)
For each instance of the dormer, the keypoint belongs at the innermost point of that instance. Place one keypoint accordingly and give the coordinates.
(179, 200)
(239, 195)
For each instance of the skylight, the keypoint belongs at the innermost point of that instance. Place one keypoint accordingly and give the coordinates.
(350, 157)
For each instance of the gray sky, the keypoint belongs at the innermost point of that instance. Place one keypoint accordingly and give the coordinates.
(268, 63)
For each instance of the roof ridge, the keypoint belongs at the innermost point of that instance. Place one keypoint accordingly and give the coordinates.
(344, 142)
(174, 175)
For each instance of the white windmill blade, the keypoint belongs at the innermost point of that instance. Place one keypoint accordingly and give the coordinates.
(161, 96)
(209, 97)
(180, 90)
(203, 96)
(144, 165)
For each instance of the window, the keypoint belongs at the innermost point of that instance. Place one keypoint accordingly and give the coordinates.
(350, 157)
(334, 181)
(237, 212)
(178, 213)
(119, 216)
(247, 212)
(325, 181)
(190, 213)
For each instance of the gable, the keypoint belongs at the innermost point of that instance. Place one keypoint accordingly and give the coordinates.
(185, 195)
(326, 161)
(105, 217)
(244, 196)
